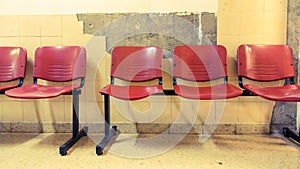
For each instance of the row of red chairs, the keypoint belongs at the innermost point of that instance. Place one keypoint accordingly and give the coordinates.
(195, 63)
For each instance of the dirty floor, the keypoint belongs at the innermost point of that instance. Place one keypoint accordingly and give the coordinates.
(31, 151)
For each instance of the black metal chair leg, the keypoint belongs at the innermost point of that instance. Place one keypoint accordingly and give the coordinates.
(105, 140)
(67, 145)
(289, 133)
(109, 133)
(75, 126)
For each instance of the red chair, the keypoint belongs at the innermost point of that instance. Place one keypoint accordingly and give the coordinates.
(12, 67)
(132, 64)
(202, 63)
(266, 63)
(57, 64)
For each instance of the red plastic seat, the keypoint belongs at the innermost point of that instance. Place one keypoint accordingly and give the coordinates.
(57, 64)
(132, 64)
(135, 64)
(38, 91)
(12, 66)
(267, 63)
(131, 92)
(200, 63)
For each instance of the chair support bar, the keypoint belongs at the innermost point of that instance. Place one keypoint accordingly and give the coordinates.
(67, 145)
(289, 133)
(105, 140)
(109, 133)
(75, 128)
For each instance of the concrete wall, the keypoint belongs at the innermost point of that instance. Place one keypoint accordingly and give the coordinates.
(165, 30)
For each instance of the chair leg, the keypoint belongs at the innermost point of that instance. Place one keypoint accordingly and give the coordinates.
(289, 133)
(75, 126)
(109, 133)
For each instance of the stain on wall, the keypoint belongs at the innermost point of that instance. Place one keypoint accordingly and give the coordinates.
(165, 30)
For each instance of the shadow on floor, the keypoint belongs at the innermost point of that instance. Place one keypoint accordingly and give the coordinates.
(16, 138)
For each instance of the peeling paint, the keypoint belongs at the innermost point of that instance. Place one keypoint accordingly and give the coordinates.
(165, 30)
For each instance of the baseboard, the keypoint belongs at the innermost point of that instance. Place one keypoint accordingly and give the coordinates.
(142, 128)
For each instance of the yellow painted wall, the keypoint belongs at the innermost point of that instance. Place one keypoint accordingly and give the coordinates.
(88, 6)
(239, 21)
(254, 22)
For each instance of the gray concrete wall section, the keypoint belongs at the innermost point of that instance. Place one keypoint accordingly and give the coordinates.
(165, 30)
(209, 28)
(284, 114)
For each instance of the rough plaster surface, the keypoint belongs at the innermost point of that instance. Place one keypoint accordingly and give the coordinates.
(165, 30)
(209, 27)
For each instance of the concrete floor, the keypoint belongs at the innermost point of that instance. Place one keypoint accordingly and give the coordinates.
(20, 150)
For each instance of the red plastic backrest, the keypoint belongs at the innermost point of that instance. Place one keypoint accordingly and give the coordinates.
(136, 63)
(12, 63)
(265, 62)
(60, 63)
(199, 62)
